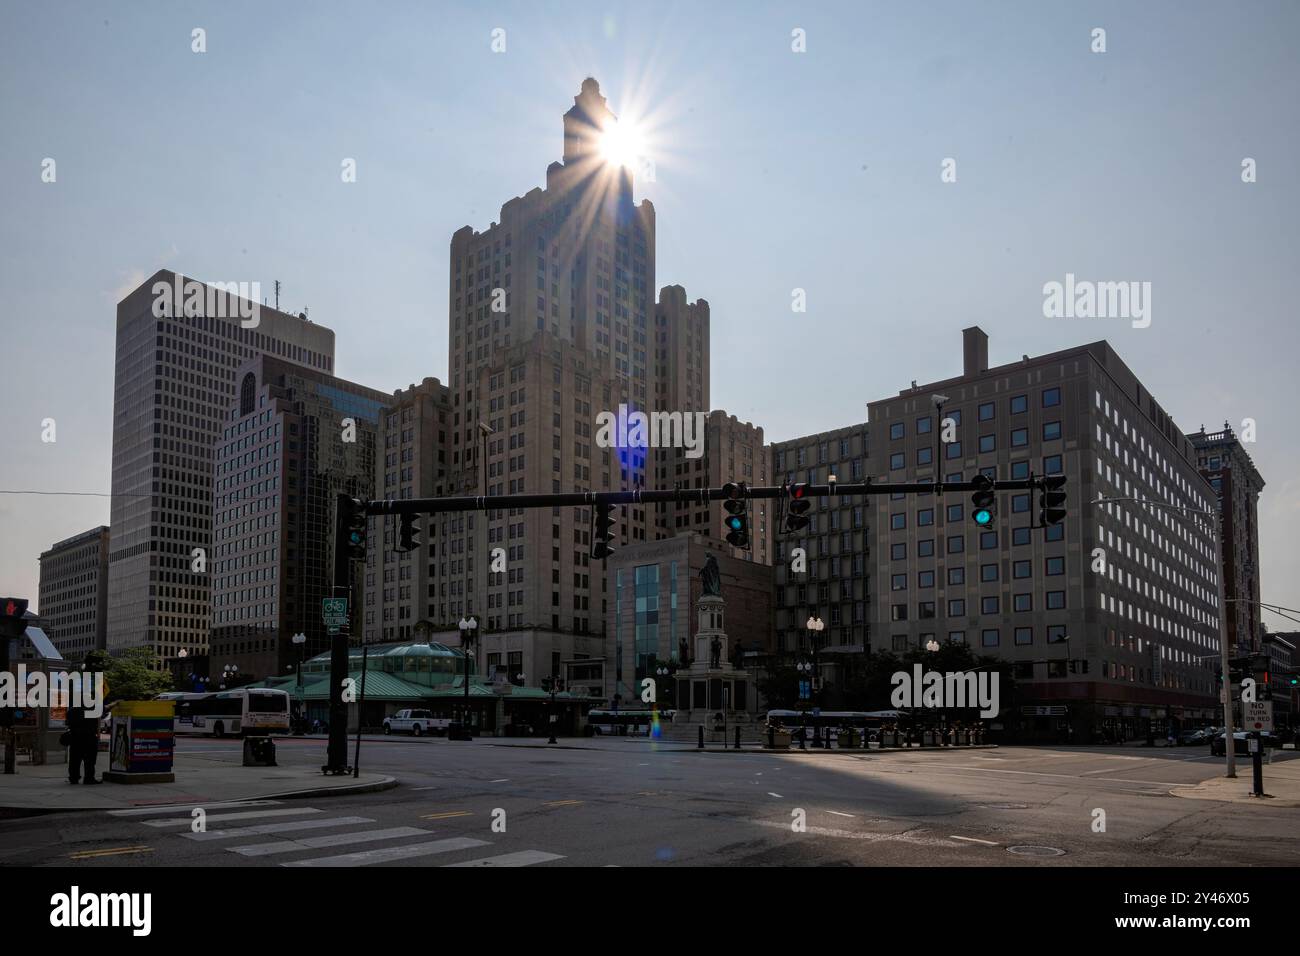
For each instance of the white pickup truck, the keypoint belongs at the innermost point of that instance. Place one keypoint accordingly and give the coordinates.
(416, 722)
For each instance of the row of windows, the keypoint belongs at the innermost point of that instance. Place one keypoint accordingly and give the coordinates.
(1018, 405)
(1020, 570)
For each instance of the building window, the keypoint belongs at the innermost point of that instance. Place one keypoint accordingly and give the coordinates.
(956, 544)
(923, 426)
(1019, 503)
(1019, 404)
(924, 455)
(1051, 431)
(925, 548)
(1051, 397)
(988, 540)
(898, 612)
(1019, 469)
(1056, 633)
(897, 461)
(988, 443)
(957, 637)
(925, 517)
(1055, 532)
(1019, 536)
(989, 605)
(956, 607)
(925, 610)
(1056, 565)
(925, 579)
(1024, 635)
(898, 552)
(1052, 465)
(954, 512)
(988, 572)
(898, 582)
(896, 431)
(1019, 438)
(989, 638)
(957, 575)
(1055, 600)
(1023, 602)
(954, 450)
(1020, 569)
(898, 521)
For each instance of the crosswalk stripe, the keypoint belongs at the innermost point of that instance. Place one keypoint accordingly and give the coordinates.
(189, 806)
(367, 857)
(330, 839)
(245, 815)
(522, 858)
(287, 827)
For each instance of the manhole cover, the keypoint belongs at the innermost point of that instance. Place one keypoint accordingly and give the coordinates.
(1035, 851)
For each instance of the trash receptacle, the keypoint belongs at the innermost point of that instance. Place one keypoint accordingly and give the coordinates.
(259, 752)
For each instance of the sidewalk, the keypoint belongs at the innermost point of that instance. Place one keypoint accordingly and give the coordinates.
(1281, 783)
(200, 781)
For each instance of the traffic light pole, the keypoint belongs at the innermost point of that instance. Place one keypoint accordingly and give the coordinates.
(337, 753)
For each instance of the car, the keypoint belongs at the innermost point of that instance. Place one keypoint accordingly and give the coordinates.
(1241, 743)
(1192, 737)
(416, 722)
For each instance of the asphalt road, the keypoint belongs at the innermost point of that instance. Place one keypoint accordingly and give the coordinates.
(628, 803)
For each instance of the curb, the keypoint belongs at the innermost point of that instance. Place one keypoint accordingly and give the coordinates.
(374, 786)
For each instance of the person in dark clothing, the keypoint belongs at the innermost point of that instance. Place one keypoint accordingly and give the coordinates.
(83, 747)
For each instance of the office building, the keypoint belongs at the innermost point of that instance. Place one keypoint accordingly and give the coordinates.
(174, 382)
(401, 588)
(1224, 462)
(74, 593)
(292, 441)
(1111, 616)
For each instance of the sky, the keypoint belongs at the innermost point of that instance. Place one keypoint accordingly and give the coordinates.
(774, 170)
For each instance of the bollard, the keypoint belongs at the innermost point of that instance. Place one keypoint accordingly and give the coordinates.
(701, 744)
(737, 738)
(771, 737)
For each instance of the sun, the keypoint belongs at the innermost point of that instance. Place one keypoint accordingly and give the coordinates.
(621, 143)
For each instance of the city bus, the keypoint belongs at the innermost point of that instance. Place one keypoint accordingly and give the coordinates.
(631, 723)
(251, 711)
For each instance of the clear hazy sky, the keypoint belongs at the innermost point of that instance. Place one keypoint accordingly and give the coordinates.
(773, 170)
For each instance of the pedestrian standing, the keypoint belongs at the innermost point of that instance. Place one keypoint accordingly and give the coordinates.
(83, 746)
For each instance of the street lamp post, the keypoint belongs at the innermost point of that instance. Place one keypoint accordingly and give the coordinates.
(228, 673)
(552, 685)
(1229, 745)
(300, 640)
(467, 635)
(815, 626)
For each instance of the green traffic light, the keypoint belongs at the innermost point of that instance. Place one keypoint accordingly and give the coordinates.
(983, 517)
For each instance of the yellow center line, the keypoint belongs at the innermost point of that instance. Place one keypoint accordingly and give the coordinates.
(563, 803)
(113, 851)
(446, 815)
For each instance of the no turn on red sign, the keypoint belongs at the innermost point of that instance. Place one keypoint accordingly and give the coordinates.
(1258, 716)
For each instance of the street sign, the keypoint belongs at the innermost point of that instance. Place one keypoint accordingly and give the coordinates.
(335, 612)
(1258, 716)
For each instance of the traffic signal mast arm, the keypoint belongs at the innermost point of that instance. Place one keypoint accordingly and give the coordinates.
(679, 495)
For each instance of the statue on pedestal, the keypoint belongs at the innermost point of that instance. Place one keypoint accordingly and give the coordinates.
(683, 652)
(715, 653)
(711, 577)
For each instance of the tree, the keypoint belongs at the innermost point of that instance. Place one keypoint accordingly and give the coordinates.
(780, 686)
(131, 676)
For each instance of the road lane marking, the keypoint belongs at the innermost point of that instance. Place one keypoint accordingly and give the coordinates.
(522, 858)
(186, 806)
(331, 839)
(446, 814)
(112, 851)
(1040, 773)
(562, 803)
(215, 817)
(434, 787)
(777, 795)
(367, 857)
(501, 780)
(973, 840)
(288, 827)
(838, 814)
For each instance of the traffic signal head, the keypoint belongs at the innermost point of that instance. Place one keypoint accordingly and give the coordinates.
(737, 520)
(796, 516)
(354, 528)
(1293, 680)
(408, 534)
(13, 617)
(602, 535)
(983, 503)
(1051, 500)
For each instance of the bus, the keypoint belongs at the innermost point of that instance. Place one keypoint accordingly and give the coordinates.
(254, 711)
(630, 723)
